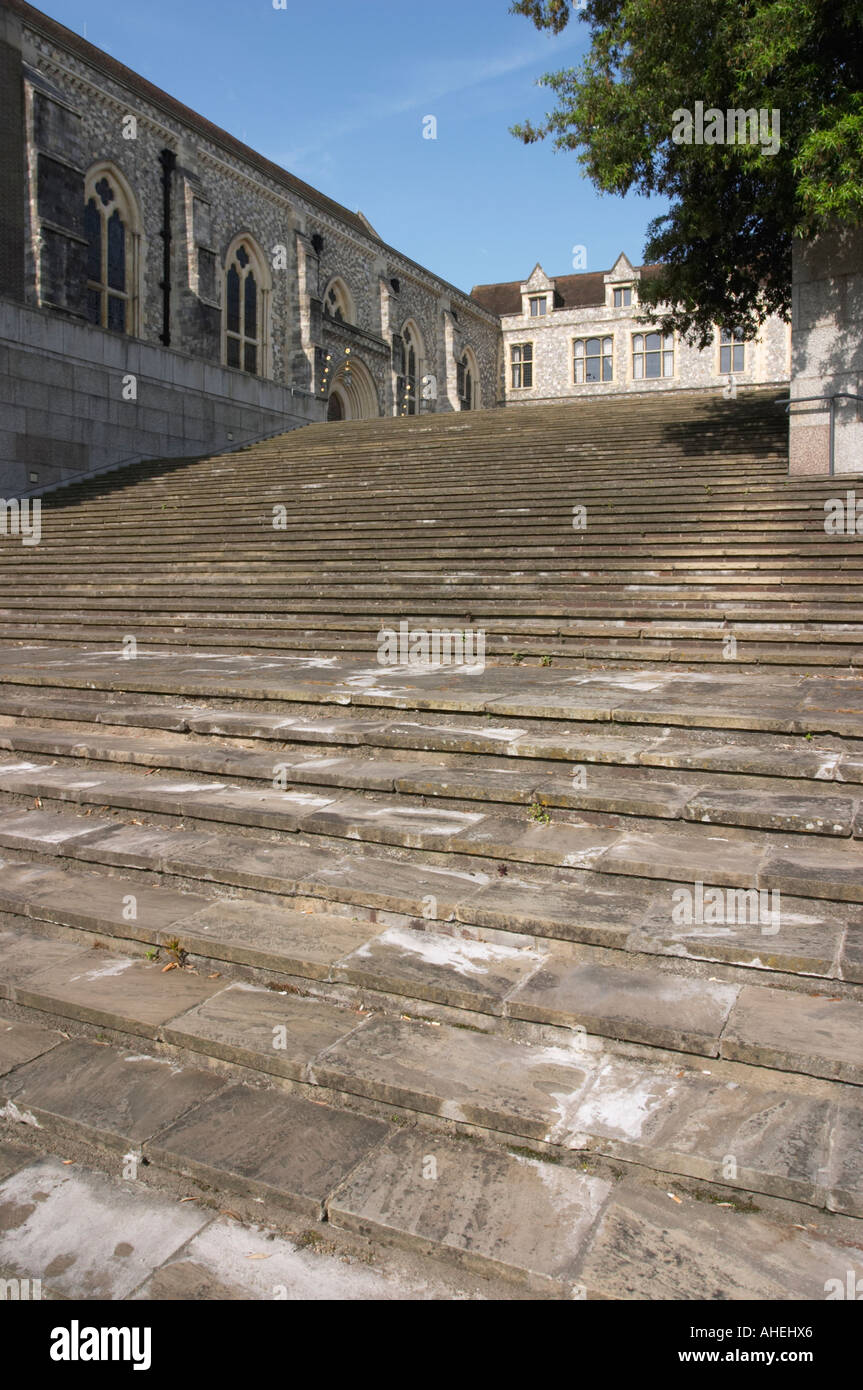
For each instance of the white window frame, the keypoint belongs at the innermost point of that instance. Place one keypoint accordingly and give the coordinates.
(605, 354)
(664, 350)
(519, 364)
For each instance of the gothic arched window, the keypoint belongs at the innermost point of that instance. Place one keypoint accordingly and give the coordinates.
(407, 357)
(245, 308)
(465, 379)
(337, 302)
(111, 229)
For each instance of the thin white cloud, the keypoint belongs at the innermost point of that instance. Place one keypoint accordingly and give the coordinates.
(428, 82)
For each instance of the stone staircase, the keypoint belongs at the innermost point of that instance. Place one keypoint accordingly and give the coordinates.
(409, 951)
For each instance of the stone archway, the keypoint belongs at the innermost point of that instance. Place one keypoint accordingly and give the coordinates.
(353, 395)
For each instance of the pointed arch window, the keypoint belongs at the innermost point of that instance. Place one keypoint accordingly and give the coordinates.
(244, 316)
(407, 371)
(337, 302)
(111, 230)
(465, 382)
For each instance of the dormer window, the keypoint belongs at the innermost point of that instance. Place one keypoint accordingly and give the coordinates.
(538, 305)
(623, 297)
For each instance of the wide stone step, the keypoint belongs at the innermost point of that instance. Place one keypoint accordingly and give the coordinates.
(640, 916)
(586, 989)
(816, 807)
(691, 634)
(763, 756)
(627, 842)
(789, 1138)
(559, 1231)
(781, 703)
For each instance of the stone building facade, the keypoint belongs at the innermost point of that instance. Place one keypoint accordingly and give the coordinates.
(582, 334)
(167, 291)
(164, 289)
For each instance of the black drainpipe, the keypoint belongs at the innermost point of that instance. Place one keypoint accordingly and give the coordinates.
(168, 161)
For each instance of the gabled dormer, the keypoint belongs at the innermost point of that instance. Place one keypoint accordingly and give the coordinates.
(620, 284)
(537, 294)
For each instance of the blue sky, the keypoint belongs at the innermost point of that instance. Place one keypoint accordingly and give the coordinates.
(336, 92)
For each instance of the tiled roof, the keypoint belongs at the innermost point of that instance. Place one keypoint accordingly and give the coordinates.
(583, 291)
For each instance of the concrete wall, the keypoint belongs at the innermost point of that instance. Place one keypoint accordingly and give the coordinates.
(827, 351)
(63, 411)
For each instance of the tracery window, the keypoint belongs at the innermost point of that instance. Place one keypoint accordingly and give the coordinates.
(111, 230)
(407, 371)
(244, 310)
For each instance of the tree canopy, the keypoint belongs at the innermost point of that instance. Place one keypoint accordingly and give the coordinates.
(725, 243)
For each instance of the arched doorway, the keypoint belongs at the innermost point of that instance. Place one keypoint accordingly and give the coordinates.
(353, 394)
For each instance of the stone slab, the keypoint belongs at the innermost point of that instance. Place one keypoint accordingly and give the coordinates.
(601, 913)
(443, 969)
(817, 1034)
(816, 871)
(260, 1028)
(50, 834)
(647, 1246)
(104, 904)
(644, 1006)
(85, 1235)
(272, 938)
(477, 1078)
(105, 1095)
(685, 855)
(266, 1144)
(394, 885)
(22, 953)
(21, 1042)
(115, 991)
(844, 1173)
(808, 939)
(813, 815)
(525, 1219)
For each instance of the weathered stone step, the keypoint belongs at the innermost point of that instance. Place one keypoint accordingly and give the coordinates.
(619, 843)
(796, 806)
(692, 635)
(573, 653)
(641, 916)
(767, 760)
(584, 989)
(781, 703)
(789, 1137)
(558, 1230)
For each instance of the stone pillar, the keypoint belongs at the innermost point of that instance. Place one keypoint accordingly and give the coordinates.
(827, 352)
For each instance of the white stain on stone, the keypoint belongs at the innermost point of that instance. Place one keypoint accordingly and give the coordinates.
(454, 953)
(191, 786)
(616, 1105)
(24, 767)
(10, 1111)
(105, 972)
